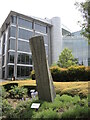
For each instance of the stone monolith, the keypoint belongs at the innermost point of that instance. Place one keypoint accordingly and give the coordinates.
(43, 76)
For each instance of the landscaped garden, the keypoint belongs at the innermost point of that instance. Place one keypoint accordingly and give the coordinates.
(71, 101)
(71, 84)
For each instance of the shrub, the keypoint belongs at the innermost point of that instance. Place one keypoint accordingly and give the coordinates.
(9, 85)
(73, 73)
(46, 114)
(7, 109)
(23, 110)
(58, 74)
(32, 75)
(3, 92)
(18, 92)
(76, 73)
(76, 113)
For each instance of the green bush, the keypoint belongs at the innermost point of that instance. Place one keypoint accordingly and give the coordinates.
(32, 74)
(3, 92)
(23, 110)
(73, 73)
(76, 73)
(7, 109)
(18, 92)
(76, 113)
(46, 114)
(9, 85)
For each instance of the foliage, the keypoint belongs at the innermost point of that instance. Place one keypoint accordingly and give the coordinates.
(3, 92)
(57, 109)
(84, 8)
(9, 85)
(32, 74)
(73, 73)
(7, 109)
(66, 59)
(59, 74)
(18, 92)
(76, 113)
(46, 114)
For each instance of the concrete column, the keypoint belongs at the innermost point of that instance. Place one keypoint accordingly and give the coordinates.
(43, 77)
(56, 38)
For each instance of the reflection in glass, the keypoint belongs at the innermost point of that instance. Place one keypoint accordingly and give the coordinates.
(23, 46)
(23, 71)
(11, 71)
(12, 44)
(24, 58)
(24, 23)
(25, 34)
(40, 28)
(11, 57)
(12, 31)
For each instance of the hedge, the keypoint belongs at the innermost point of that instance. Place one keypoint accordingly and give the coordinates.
(73, 73)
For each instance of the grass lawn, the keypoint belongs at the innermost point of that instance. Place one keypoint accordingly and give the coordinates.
(70, 88)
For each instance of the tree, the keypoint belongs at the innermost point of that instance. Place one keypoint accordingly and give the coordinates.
(66, 59)
(84, 8)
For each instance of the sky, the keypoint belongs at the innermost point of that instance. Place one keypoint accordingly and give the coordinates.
(65, 9)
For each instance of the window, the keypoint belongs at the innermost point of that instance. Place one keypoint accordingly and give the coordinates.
(40, 28)
(3, 48)
(12, 31)
(24, 58)
(13, 19)
(12, 44)
(25, 34)
(11, 57)
(23, 46)
(23, 71)
(11, 71)
(24, 23)
(3, 60)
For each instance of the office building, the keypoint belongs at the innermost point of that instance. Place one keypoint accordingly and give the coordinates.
(15, 53)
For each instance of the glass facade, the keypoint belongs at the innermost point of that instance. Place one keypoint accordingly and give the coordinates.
(79, 47)
(25, 34)
(23, 46)
(12, 44)
(23, 71)
(24, 59)
(19, 54)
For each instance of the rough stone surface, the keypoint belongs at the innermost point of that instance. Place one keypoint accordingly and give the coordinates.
(44, 80)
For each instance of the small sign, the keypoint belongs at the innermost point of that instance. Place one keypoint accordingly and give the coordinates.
(35, 105)
(32, 90)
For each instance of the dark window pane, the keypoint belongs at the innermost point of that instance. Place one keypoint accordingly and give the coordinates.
(11, 57)
(25, 34)
(18, 71)
(23, 46)
(25, 23)
(30, 60)
(19, 58)
(22, 71)
(27, 59)
(11, 70)
(40, 28)
(12, 31)
(22, 58)
(3, 60)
